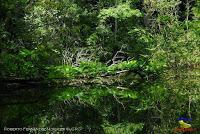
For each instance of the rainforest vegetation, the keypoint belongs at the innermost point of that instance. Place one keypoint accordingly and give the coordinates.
(99, 66)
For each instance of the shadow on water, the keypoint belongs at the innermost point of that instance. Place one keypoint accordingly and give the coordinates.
(88, 109)
(32, 105)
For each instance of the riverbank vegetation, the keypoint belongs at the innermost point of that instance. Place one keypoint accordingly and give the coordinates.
(104, 66)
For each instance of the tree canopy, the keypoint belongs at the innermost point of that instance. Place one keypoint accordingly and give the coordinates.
(103, 66)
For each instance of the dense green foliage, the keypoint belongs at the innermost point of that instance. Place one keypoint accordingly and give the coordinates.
(106, 66)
